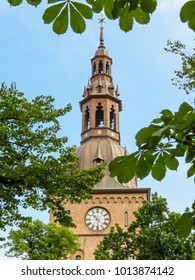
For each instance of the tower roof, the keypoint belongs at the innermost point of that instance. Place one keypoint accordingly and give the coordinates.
(100, 107)
(106, 150)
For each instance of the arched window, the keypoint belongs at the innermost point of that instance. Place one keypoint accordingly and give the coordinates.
(94, 68)
(112, 118)
(87, 123)
(99, 116)
(126, 219)
(107, 68)
(100, 67)
(97, 161)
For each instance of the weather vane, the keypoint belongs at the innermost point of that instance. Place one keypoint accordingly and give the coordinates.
(101, 21)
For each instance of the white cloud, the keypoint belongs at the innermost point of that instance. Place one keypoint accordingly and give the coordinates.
(167, 5)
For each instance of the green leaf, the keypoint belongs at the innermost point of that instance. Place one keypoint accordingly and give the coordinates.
(34, 2)
(167, 113)
(91, 2)
(134, 4)
(191, 171)
(76, 20)
(140, 16)
(145, 134)
(142, 167)
(190, 155)
(150, 157)
(157, 120)
(185, 224)
(167, 116)
(191, 23)
(123, 167)
(184, 109)
(98, 6)
(126, 20)
(51, 13)
(187, 11)
(108, 8)
(148, 6)
(84, 10)
(164, 131)
(60, 24)
(170, 161)
(116, 11)
(159, 169)
(15, 2)
(120, 3)
(178, 151)
(54, 1)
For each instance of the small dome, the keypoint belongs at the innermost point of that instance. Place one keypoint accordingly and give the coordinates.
(109, 150)
(102, 51)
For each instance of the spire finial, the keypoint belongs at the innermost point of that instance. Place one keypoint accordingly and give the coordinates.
(125, 151)
(101, 21)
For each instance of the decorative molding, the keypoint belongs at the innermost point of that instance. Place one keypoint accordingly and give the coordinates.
(112, 200)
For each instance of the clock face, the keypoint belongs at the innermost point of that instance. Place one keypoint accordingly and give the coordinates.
(97, 218)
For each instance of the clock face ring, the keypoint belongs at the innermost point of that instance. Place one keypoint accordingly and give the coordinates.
(97, 218)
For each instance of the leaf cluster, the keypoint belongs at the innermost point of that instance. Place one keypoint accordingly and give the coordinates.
(35, 240)
(37, 169)
(187, 14)
(185, 78)
(167, 138)
(127, 11)
(187, 222)
(153, 235)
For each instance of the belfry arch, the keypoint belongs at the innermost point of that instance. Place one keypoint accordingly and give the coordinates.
(112, 118)
(99, 116)
(87, 118)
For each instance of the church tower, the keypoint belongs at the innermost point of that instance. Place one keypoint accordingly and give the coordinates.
(112, 202)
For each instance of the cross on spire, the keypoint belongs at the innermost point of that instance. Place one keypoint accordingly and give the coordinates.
(101, 21)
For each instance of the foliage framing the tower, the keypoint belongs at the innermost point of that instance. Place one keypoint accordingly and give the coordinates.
(127, 11)
(37, 170)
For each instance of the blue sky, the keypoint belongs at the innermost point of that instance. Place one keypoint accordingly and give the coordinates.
(40, 62)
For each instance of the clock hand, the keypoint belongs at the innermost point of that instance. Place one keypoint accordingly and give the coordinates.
(93, 217)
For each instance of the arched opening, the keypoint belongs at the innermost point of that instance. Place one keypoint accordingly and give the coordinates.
(98, 161)
(126, 219)
(79, 255)
(100, 67)
(99, 116)
(112, 118)
(94, 68)
(107, 68)
(87, 120)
